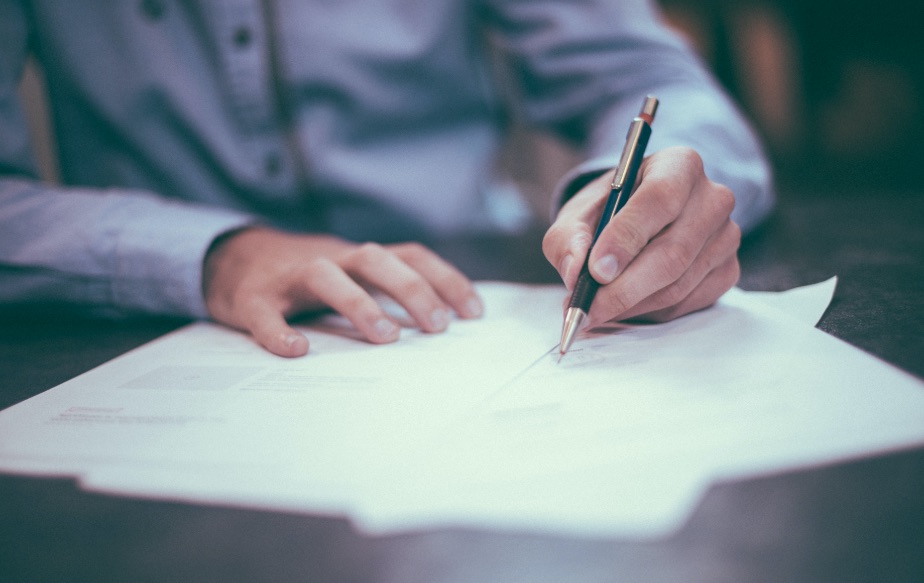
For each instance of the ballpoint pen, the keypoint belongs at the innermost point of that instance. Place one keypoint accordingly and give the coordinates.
(620, 190)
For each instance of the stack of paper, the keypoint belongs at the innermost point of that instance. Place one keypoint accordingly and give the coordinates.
(478, 426)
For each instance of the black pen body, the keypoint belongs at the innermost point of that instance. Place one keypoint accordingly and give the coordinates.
(620, 190)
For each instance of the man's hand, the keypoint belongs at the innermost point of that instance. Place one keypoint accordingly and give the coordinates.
(254, 279)
(670, 251)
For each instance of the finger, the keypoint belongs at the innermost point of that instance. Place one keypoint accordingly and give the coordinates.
(721, 248)
(669, 256)
(329, 283)
(379, 268)
(449, 283)
(666, 182)
(269, 328)
(718, 281)
(567, 242)
(565, 246)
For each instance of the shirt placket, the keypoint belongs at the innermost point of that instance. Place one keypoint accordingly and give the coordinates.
(244, 50)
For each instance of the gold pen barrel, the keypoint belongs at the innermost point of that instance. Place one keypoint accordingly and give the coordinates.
(638, 131)
(634, 136)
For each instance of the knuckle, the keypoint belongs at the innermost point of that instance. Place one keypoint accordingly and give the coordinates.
(414, 287)
(728, 241)
(455, 286)
(629, 236)
(734, 234)
(673, 295)
(672, 185)
(674, 260)
(733, 273)
(368, 253)
(247, 299)
(418, 250)
(357, 305)
(316, 269)
(552, 240)
(452, 283)
(249, 312)
(413, 251)
(661, 202)
(619, 301)
(666, 196)
(316, 266)
(464, 292)
(689, 160)
(243, 301)
(723, 199)
(370, 248)
(247, 291)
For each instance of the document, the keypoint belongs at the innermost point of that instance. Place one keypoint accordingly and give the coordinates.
(480, 426)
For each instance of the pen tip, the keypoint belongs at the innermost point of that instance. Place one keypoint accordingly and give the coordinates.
(574, 318)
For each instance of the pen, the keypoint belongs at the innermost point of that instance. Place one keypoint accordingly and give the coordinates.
(620, 190)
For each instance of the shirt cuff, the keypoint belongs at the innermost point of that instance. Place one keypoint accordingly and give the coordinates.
(159, 262)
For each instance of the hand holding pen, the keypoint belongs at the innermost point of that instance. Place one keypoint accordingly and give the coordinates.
(670, 250)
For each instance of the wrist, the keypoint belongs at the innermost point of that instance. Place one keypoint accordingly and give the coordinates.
(216, 250)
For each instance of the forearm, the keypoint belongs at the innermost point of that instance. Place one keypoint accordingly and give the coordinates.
(126, 251)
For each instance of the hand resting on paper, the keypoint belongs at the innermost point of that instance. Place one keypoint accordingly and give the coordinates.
(255, 278)
(670, 251)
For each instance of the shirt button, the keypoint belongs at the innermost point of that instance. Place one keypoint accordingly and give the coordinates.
(153, 9)
(242, 37)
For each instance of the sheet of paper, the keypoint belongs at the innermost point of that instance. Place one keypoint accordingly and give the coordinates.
(807, 303)
(207, 402)
(478, 426)
(626, 432)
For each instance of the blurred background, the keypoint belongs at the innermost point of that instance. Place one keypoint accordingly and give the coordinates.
(835, 88)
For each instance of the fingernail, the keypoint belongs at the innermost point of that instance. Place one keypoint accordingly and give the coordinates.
(605, 268)
(386, 329)
(474, 308)
(291, 339)
(439, 319)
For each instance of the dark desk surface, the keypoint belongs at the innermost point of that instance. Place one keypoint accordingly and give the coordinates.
(858, 521)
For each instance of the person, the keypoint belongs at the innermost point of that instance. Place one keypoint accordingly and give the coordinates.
(249, 160)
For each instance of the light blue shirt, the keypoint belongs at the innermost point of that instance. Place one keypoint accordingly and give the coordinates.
(377, 120)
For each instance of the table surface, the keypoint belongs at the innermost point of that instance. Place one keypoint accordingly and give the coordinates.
(856, 521)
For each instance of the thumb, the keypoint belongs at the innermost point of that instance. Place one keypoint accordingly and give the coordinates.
(270, 329)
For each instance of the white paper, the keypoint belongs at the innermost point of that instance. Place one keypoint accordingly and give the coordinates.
(478, 426)
(806, 304)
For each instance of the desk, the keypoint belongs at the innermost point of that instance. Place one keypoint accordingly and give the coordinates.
(858, 521)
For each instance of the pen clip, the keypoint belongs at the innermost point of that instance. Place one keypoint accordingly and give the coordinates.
(633, 139)
(638, 133)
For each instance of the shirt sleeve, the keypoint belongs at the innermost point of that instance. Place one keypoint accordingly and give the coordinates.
(581, 70)
(115, 250)
(118, 251)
